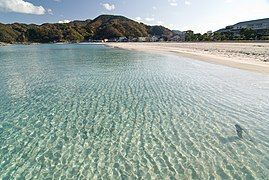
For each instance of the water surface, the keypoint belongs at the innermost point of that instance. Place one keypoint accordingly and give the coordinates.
(89, 111)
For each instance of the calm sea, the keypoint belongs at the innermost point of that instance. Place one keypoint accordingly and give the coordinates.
(92, 112)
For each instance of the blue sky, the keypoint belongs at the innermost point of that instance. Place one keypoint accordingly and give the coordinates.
(198, 15)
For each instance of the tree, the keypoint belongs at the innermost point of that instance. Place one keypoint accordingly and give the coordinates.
(248, 34)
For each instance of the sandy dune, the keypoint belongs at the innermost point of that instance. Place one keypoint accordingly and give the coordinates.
(247, 56)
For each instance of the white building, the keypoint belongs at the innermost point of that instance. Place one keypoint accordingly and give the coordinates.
(122, 39)
(142, 39)
(154, 39)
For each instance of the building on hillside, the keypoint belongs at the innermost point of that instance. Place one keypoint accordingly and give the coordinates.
(255, 24)
(258, 25)
(209, 33)
(189, 32)
(122, 39)
(154, 38)
(143, 39)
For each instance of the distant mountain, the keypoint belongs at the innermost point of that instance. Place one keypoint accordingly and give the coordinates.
(102, 27)
(106, 26)
(160, 31)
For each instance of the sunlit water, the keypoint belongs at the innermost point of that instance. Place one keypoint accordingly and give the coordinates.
(89, 111)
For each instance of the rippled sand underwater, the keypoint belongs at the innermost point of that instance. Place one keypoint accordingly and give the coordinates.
(92, 112)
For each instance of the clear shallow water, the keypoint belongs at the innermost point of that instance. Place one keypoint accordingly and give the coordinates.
(84, 111)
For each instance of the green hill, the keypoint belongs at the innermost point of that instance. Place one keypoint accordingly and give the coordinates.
(102, 27)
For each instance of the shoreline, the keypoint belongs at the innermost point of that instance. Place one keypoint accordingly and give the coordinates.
(3, 44)
(246, 56)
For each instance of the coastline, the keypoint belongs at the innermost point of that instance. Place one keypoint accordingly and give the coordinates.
(246, 56)
(3, 44)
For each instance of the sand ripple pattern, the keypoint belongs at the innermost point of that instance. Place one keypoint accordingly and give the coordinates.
(91, 112)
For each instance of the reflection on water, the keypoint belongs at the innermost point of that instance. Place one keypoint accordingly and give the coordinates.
(84, 111)
(16, 87)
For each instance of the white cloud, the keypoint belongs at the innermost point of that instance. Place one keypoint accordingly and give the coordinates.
(138, 18)
(108, 6)
(160, 22)
(149, 19)
(228, 1)
(50, 11)
(154, 8)
(173, 2)
(187, 3)
(171, 26)
(21, 6)
(64, 21)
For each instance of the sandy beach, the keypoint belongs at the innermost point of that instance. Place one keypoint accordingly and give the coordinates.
(2, 44)
(246, 56)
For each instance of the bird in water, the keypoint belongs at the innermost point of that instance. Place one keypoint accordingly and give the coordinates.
(239, 131)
